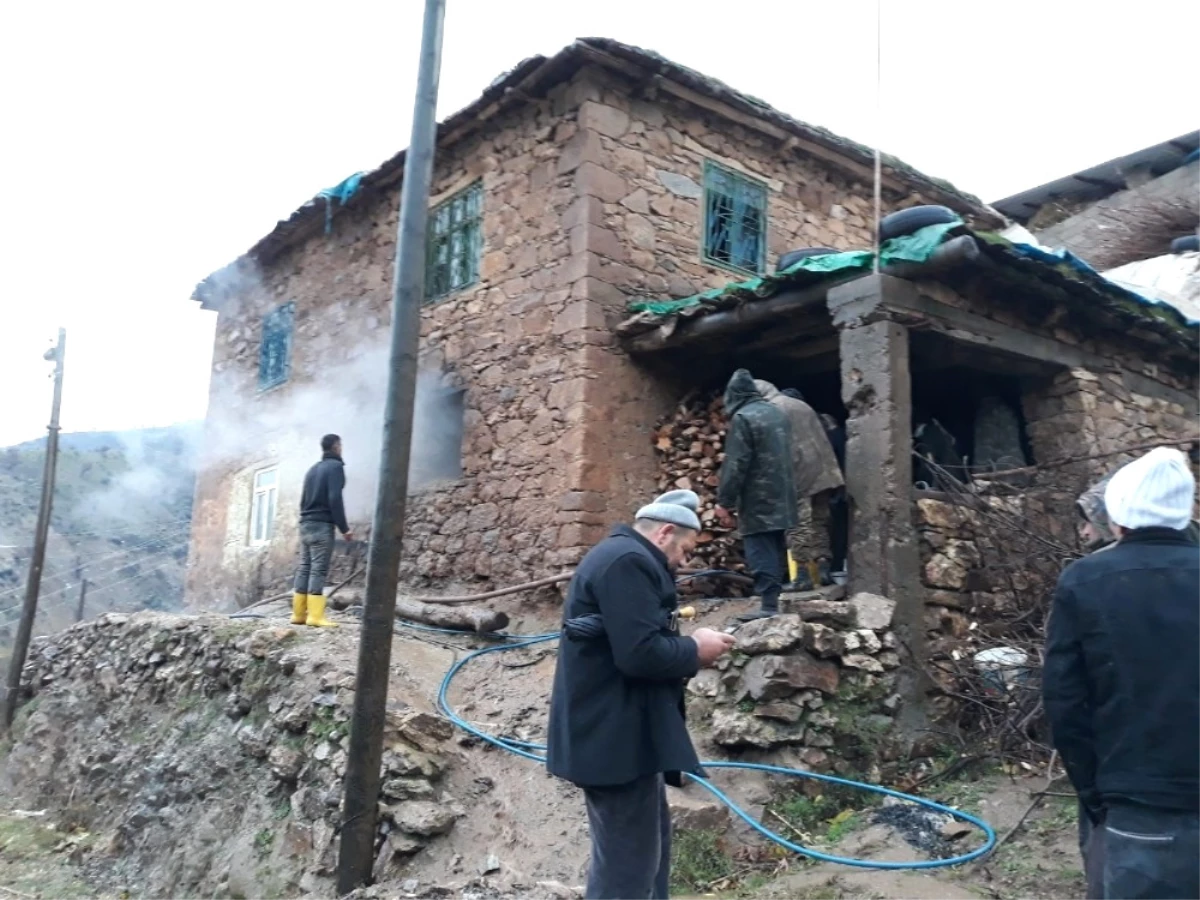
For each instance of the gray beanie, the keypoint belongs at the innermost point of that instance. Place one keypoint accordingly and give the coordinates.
(674, 508)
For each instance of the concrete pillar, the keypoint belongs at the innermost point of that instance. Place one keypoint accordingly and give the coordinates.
(877, 391)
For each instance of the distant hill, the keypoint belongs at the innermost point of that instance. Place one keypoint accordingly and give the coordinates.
(121, 518)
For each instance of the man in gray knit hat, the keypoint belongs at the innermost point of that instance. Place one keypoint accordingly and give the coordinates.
(617, 725)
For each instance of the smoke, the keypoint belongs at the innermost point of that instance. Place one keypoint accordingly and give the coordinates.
(343, 397)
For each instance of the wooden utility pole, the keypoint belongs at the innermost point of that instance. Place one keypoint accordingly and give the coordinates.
(34, 583)
(82, 600)
(357, 852)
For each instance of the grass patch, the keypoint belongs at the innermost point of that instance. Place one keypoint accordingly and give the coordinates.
(828, 816)
(323, 727)
(25, 839)
(282, 810)
(263, 841)
(698, 859)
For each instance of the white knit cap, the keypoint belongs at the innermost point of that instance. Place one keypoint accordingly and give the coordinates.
(1155, 491)
(674, 508)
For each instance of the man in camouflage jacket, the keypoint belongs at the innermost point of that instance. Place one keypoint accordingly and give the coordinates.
(758, 481)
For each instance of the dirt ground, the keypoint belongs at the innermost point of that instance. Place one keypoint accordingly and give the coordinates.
(523, 826)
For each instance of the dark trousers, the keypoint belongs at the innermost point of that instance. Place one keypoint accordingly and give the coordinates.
(316, 549)
(631, 841)
(839, 529)
(766, 554)
(1091, 848)
(1149, 852)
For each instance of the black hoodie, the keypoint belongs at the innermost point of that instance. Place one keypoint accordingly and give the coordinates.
(322, 497)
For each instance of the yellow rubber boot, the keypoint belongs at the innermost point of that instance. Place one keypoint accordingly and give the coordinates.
(316, 612)
(299, 609)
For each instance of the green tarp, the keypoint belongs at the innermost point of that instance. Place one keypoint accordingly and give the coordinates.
(916, 248)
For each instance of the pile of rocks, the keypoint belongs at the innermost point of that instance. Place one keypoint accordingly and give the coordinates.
(801, 679)
(158, 723)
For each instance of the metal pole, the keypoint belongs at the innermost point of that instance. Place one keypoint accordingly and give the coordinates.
(34, 582)
(357, 851)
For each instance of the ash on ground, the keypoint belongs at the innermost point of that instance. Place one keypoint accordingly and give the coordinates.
(920, 827)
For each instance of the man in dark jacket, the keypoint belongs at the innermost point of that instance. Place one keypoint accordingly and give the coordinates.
(617, 724)
(758, 480)
(321, 510)
(1122, 683)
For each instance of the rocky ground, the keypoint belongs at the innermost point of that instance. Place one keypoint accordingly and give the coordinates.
(168, 755)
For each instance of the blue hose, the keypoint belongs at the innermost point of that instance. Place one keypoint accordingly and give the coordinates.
(534, 753)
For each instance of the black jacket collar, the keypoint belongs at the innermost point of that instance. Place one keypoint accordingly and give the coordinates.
(1157, 536)
(627, 531)
(333, 456)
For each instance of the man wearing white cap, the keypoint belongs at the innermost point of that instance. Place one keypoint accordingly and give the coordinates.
(1122, 683)
(617, 725)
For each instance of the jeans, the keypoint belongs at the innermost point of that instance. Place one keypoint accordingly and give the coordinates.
(766, 554)
(316, 549)
(1150, 852)
(631, 841)
(1091, 848)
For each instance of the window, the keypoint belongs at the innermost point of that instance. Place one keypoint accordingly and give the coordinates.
(275, 353)
(262, 506)
(455, 242)
(438, 436)
(735, 219)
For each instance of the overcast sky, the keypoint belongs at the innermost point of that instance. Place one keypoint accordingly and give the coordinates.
(147, 144)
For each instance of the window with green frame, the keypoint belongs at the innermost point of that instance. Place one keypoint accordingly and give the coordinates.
(735, 219)
(455, 243)
(275, 351)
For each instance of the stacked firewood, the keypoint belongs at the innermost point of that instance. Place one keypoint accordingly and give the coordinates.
(690, 444)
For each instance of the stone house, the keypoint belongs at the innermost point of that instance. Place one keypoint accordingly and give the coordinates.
(573, 184)
(604, 175)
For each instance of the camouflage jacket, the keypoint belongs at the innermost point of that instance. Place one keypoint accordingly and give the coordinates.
(757, 478)
(813, 460)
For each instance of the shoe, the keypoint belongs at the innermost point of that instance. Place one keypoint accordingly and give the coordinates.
(801, 583)
(316, 612)
(299, 608)
(758, 614)
(824, 576)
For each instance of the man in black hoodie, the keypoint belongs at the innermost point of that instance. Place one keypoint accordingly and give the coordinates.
(1122, 683)
(321, 510)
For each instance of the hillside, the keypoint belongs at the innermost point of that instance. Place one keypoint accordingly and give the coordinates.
(121, 515)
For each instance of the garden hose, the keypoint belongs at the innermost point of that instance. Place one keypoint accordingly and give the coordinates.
(535, 753)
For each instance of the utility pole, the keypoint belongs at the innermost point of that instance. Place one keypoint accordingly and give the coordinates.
(357, 851)
(82, 599)
(34, 583)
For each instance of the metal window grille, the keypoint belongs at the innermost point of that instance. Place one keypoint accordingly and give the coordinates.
(735, 219)
(262, 506)
(455, 243)
(275, 352)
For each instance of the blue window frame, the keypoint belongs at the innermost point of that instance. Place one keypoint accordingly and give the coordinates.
(275, 352)
(735, 219)
(455, 243)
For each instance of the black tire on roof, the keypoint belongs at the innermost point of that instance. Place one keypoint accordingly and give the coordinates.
(1189, 243)
(794, 256)
(906, 221)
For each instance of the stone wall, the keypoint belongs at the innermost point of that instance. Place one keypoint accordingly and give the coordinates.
(1113, 231)
(590, 199)
(207, 755)
(819, 680)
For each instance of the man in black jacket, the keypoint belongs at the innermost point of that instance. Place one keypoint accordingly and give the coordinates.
(1122, 683)
(759, 481)
(321, 510)
(617, 726)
